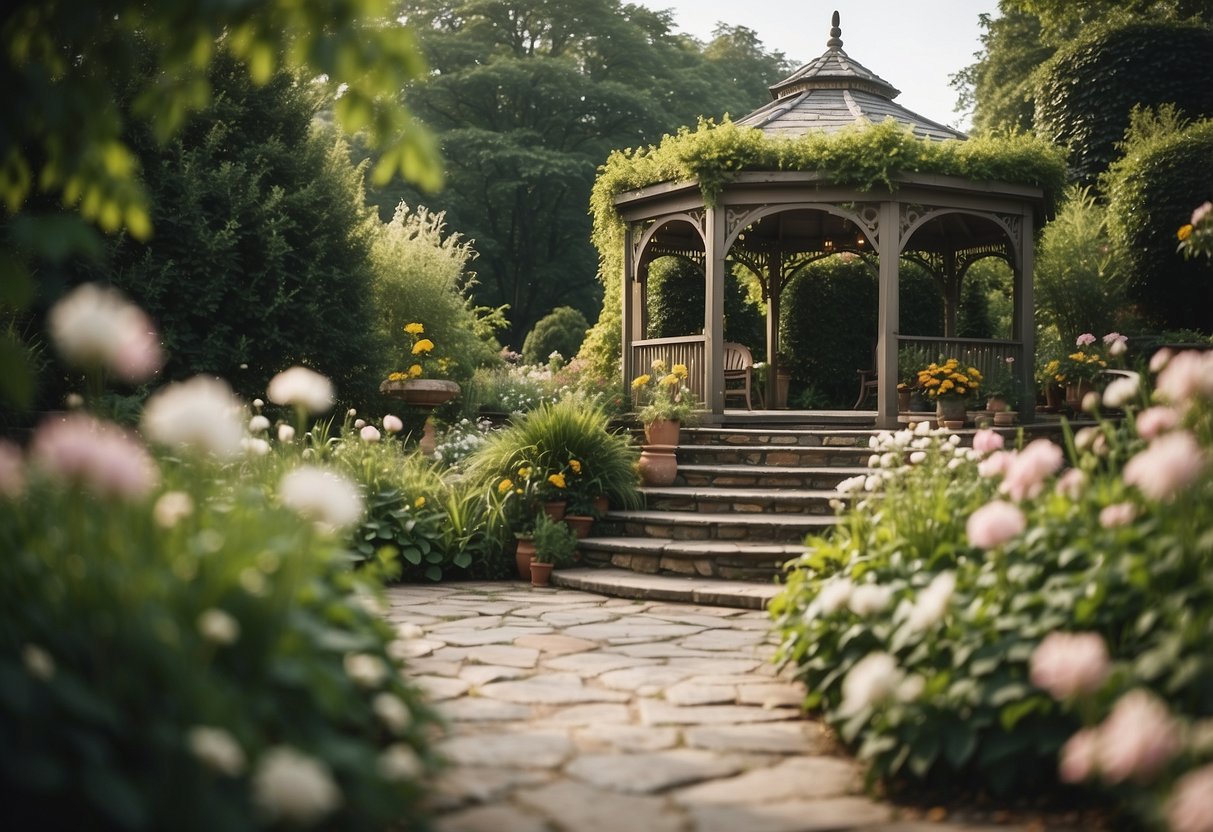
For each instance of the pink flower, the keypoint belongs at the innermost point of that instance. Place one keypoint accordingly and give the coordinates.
(1026, 474)
(1190, 808)
(1113, 337)
(994, 524)
(1170, 463)
(1071, 483)
(369, 433)
(12, 470)
(1085, 339)
(1187, 375)
(97, 327)
(1078, 756)
(1154, 421)
(996, 464)
(1203, 210)
(1160, 359)
(1070, 664)
(1137, 739)
(392, 424)
(100, 456)
(986, 441)
(1117, 514)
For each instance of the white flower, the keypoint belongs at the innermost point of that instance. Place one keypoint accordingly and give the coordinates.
(870, 598)
(932, 602)
(286, 434)
(216, 749)
(218, 626)
(918, 457)
(834, 595)
(873, 680)
(351, 412)
(392, 424)
(922, 429)
(369, 433)
(289, 785)
(171, 508)
(392, 711)
(258, 424)
(301, 387)
(97, 327)
(201, 413)
(399, 762)
(38, 663)
(874, 461)
(360, 423)
(1120, 392)
(254, 446)
(366, 670)
(321, 495)
(850, 484)
(258, 403)
(1070, 664)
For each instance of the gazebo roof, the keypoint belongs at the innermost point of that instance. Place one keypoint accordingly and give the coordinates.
(834, 92)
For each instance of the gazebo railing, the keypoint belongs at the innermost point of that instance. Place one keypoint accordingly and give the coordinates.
(688, 349)
(986, 354)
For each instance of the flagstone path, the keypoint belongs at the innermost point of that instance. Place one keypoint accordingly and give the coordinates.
(574, 711)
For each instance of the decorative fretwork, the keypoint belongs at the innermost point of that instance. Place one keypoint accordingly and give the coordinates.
(1014, 224)
(699, 217)
(867, 216)
(692, 255)
(757, 261)
(969, 256)
(911, 214)
(636, 234)
(738, 216)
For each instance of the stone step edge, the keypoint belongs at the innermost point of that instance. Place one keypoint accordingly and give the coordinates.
(776, 550)
(700, 518)
(703, 492)
(624, 583)
(773, 470)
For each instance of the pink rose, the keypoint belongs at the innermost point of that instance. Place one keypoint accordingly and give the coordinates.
(1117, 514)
(1026, 474)
(1070, 664)
(1137, 739)
(994, 524)
(1078, 756)
(1190, 808)
(985, 441)
(1084, 340)
(1170, 463)
(99, 456)
(1155, 421)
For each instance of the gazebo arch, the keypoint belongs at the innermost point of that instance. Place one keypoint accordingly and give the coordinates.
(776, 221)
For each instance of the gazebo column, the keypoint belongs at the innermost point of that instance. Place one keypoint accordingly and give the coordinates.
(888, 315)
(627, 305)
(774, 291)
(713, 314)
(951, 293)
(1024, 321)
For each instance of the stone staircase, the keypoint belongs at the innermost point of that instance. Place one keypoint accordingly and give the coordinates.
(744, 500)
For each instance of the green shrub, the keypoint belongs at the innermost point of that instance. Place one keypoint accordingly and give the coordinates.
(174, 638)
(555, 542)
(560, 331)
(914, 625)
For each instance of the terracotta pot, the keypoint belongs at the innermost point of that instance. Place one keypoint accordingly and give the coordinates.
(903, 400)
(421, 392)
(996, 404)
(662, 432)
(602, 504)
(1005, 418)
(950, 410)
(1054, 395)
(658, 465)
(522, 557)
(554, 509)
(579, 523)
(1076, 392)
(541, 574)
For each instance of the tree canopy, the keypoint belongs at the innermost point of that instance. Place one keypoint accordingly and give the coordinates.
(528, 97)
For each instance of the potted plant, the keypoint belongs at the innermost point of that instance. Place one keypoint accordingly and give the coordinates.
(949, 385)
(1002, 387)
(579, 514)
(666, 402)
(421, 385)
(1081, 369)
(555, 544)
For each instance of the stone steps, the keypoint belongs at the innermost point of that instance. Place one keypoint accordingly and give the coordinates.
(731, 560)
(740, 500)
(797, 456)
(817, 477)
(728, 526)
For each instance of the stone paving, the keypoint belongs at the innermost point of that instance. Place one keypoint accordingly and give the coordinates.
(570, 710)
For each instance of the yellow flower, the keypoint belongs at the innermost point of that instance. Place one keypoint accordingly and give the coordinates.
(423, 346)
(415, 371)
(680, 370)
(946, 385)
(671, 380)
(575, 465)
(557, 480)
(396, 377)
(505, 485)
(419, 502)
(658, 366)
(975, 373)
(1185, 231)
(524, 473)
(414, 328)
(641, 381)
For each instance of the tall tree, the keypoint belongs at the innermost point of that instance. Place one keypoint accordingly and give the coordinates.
(528, 98)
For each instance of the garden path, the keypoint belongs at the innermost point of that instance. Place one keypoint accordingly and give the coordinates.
(570, 710)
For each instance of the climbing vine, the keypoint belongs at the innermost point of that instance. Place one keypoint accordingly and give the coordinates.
(870, 158)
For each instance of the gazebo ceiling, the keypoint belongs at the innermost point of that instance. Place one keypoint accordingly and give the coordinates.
(835, 92)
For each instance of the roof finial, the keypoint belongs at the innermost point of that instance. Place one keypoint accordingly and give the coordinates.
(835, 41)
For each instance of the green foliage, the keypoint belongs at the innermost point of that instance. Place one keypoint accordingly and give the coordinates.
(555, 542)
(561, 331)
(1088, 89)
(1151, 193)
(955, 613)
(869, 158)
(529, 97)
(260, 229)
(422, 275)
(676, 303)
(125, 628)
(548, 440)
(1079, 277)
(999, 87)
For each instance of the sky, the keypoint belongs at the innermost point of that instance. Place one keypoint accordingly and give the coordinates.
(915, 45)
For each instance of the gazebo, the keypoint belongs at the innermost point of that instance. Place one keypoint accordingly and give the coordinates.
(774, 222)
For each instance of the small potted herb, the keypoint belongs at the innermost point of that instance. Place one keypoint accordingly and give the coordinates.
(554, 546)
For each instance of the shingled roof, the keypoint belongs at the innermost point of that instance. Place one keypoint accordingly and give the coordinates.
(834, 92)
